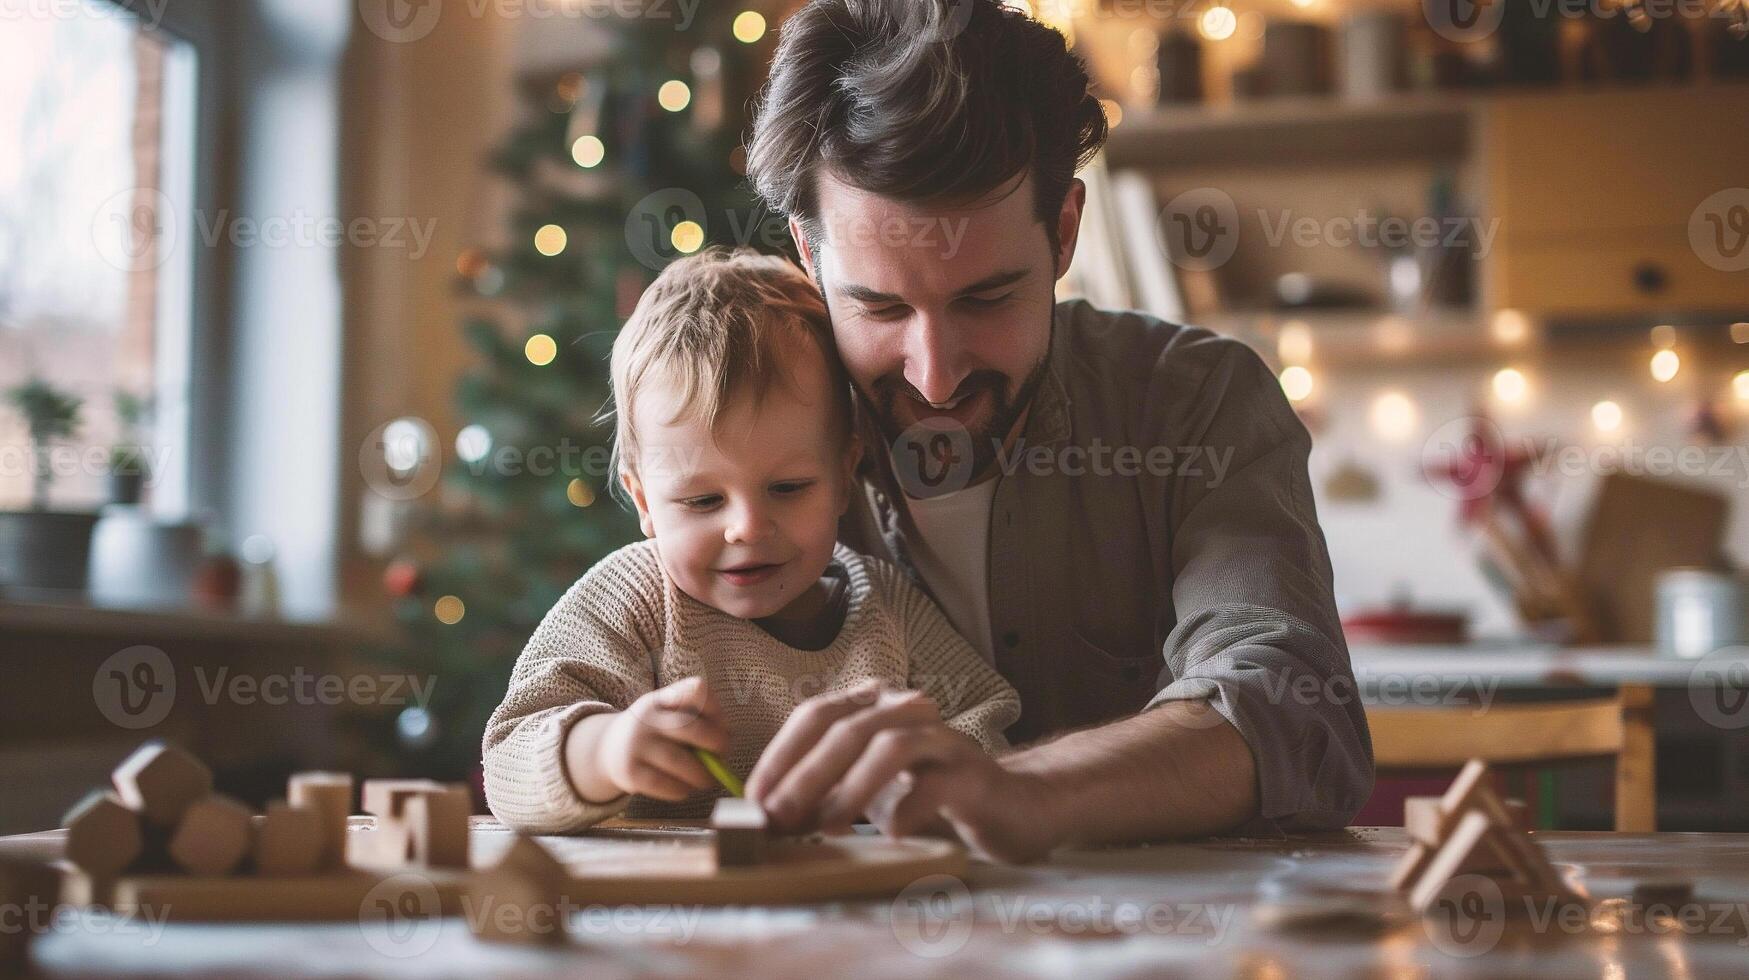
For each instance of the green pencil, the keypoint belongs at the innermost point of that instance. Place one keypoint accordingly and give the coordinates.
(723, 775)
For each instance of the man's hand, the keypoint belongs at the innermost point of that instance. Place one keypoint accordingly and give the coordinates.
(838, 752)
(646, 749)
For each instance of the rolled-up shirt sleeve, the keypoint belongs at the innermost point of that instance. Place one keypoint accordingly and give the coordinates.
(1257, 632)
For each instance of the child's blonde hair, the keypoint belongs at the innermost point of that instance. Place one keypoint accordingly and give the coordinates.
(720, 324)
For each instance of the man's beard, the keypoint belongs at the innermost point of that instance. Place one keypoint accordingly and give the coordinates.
(987, 438)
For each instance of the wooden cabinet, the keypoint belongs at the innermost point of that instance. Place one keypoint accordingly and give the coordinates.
(1595, 193)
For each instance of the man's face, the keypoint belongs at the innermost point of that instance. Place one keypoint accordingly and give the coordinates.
(941, 314)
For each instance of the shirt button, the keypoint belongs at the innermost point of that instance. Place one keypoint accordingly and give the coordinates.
(1011, 638)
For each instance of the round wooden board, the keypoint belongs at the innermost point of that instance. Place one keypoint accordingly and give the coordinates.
(674, 863)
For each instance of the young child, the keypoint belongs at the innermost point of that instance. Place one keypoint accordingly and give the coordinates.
(735, 442)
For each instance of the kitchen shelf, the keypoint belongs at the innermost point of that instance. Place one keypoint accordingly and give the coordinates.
(1291, 130)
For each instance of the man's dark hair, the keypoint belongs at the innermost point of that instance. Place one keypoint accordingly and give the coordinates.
(921, 101)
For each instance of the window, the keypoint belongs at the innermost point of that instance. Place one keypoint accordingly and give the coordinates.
(97, 111)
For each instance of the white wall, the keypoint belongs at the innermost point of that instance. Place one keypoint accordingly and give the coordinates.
(1410, 536)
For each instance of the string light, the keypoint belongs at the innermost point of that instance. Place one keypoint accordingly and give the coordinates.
(550, 240)
(588, 151)
(1665, 364)
(540, 350)
(1607, 416)
(1394, 416)
(673, 95)
(1510, 385)
(1740, 333)
(687, 237)
(1297, 383)
(1294, 344)
(449, 610)
(1113, 112)
(1740, 386)
(579, 493)
(1663, 336)
(472, 443)
(1218, 23)
(1510, 327)
(749, 26)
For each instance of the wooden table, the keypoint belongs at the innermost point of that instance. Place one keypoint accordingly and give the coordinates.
(1197, 909)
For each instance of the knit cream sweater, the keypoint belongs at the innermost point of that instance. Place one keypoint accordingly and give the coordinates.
(624, 629)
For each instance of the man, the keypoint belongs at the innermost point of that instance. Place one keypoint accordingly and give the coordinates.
(1114, 510)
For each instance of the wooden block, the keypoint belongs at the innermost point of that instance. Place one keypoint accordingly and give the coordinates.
(383, 797)
(523, 899)
(330, 794)
(29, 892)
(289, 840)
(528, 858)
(213, 837)
(103, 834)
(1471, 832)
(388, 845)
(160, 781)
(334, 897)
(437, 821)
(1423, 820)
(740, 827)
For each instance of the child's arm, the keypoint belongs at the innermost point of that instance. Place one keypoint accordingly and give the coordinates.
(973, 697)
(587, 662)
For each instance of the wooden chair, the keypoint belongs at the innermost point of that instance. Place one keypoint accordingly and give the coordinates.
(1530, 734)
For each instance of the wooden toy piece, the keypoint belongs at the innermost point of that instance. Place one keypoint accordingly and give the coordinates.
(160, 781)
(329, 794)
(740, 827)
(388, 845)
(1473, 833)
(103, 834)
(437, 826)
(523, 899)
(29, 892)
(383, 798)
(213, 837)
(1469, 830)
(289, 840)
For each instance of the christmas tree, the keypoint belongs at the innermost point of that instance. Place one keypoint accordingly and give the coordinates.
(621, 165)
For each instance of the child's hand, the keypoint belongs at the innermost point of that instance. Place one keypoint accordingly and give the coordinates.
(646, 749)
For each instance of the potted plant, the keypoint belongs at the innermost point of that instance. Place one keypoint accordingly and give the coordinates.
(129, 463)
(40, 548)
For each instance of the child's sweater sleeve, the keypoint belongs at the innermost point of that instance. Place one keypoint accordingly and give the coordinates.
(591, 654)
(974, 698)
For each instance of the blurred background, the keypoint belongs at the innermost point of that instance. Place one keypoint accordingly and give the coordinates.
(304, 309)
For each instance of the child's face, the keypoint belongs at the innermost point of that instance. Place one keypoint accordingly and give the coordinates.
(744, 518)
